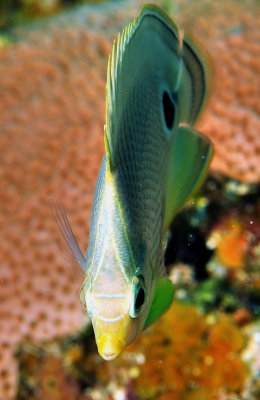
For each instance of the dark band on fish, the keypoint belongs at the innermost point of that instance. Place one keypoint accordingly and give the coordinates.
(190, 58)
(169, 25)
(198, 80)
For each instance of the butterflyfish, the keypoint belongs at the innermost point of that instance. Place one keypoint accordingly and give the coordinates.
(157, 83)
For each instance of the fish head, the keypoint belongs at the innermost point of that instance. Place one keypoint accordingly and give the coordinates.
(117, 312)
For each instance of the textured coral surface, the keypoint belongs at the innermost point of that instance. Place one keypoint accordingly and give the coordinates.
(52, 107)
(166, 362)
(52, 111)
(190, 357)
(230, 32)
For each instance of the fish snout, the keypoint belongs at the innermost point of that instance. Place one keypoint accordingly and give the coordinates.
(109, 347)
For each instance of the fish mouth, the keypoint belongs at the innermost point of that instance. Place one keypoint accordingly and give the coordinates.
(109, 357)
(109, 347)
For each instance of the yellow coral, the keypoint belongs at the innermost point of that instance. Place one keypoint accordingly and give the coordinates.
(189, 357)
(232, 246)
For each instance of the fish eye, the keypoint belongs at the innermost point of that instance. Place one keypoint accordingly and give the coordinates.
(138, 290)
(168, 109)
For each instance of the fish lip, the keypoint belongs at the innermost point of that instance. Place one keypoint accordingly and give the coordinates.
(109, 347)
(109, 358)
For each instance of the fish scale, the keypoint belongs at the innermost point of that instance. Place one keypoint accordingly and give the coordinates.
(144, 152)
(154, 161)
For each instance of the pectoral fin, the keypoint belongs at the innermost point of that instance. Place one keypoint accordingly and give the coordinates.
(188, 164)
(162, 298)
(62, 221)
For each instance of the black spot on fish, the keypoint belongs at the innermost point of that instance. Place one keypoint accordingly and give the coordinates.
(169, 110)
(139, 299)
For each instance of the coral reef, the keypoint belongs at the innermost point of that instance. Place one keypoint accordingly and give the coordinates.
(236, 240)
(51, 115)
(52, 111)
(197, 366)
(48, 375)
(166, 362)
(230, 33)
(223, 218)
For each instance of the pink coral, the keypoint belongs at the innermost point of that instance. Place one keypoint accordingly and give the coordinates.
(52, 111)
(230, 32)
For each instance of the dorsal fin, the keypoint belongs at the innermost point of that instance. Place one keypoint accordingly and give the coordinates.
(115, 61)
(195, 81)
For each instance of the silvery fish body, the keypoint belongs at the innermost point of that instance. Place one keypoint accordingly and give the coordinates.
(154, 160)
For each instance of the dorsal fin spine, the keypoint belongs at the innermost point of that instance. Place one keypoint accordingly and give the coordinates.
(114, 62)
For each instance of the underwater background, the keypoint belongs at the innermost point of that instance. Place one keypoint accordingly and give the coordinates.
(53, 60)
